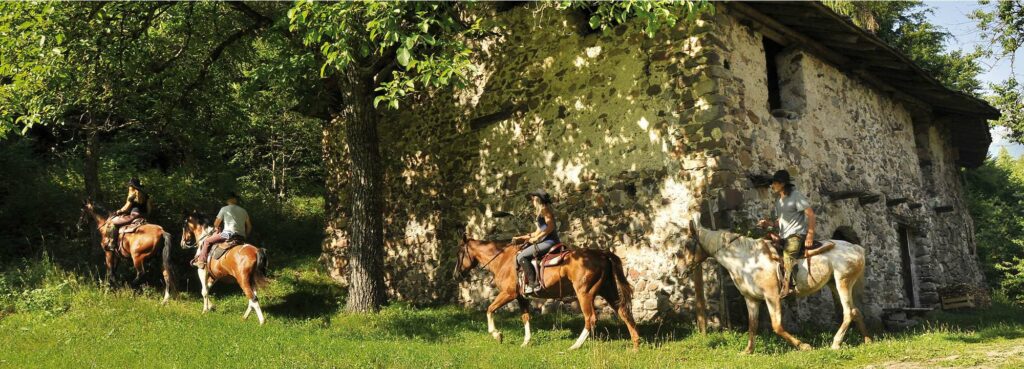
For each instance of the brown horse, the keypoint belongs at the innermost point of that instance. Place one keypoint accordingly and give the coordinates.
(246, 264)
(147, 241)
(586, 274)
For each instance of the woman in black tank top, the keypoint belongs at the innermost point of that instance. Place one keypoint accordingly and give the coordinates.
(541, 240)
(135, 206)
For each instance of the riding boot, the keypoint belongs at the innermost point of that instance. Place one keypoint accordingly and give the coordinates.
(531, 276)
(111, 238)
(787, 281)
(200, 261)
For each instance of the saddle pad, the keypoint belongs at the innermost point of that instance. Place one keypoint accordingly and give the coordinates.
(133, 226)
(231, 243)
(555, 256)
(221, 249)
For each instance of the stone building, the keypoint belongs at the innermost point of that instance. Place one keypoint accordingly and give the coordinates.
(634, 136)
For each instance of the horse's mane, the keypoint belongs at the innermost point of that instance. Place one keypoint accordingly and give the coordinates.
(722, 238)
(500, 245)
(100, 210)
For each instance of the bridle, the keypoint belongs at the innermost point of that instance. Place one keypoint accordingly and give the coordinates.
(465, 249)
(196, 240)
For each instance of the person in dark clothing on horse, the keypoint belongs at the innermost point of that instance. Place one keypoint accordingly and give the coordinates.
(540, 241)
(135, 207)
(232, 221)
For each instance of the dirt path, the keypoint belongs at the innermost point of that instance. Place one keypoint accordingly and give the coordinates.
(1007, 354)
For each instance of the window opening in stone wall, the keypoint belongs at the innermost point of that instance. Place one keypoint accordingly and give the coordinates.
(846, 233)
(910, 295)
(771, 54)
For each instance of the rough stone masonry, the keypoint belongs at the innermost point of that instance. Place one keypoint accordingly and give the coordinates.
(634, 136)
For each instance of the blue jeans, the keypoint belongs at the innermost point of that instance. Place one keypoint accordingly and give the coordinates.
(531, 252)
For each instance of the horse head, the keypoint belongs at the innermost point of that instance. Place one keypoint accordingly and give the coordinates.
(466, 260)
(194, 224)
(692, 253)
(91, 210)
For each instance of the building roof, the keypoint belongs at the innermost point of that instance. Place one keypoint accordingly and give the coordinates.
(816, 28)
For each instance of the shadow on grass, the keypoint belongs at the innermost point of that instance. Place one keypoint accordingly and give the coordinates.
(308, 300)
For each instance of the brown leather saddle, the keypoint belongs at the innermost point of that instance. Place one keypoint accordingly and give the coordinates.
(554, 257)
(221, 248)
(133, 226)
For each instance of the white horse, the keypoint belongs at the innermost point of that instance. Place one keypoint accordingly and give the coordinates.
(753, 267)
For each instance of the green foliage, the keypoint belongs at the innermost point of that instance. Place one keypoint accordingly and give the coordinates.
(1002, 24)
(996, 195)
(415, 45)
(1008, 97)
(37, 210)
(38, 288)
(655, 15)
(905, 26)
(1012, 282)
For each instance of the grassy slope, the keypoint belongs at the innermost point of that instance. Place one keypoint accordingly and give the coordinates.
(306, 328)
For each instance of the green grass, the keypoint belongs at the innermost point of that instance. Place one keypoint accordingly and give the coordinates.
(83, 324)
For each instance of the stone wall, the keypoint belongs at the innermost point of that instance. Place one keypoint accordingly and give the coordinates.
(634, 136)
(854, 151)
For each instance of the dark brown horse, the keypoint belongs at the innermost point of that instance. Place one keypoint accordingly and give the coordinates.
(147, 241)
(586, 274)
(245, 264)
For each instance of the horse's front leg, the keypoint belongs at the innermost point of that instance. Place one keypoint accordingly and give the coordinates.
(111, 261)
(524, 308)
(206, 290)
(775, 312)
(502, 299)
(753, 310)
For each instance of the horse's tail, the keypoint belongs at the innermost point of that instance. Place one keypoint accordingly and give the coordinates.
(625, 289)
(259, 273)
(165, 256)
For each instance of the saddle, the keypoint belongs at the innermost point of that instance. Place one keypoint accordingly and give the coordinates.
(816, 248)
(806, 252)
(133, 226)
(219, 249)
(554, 257)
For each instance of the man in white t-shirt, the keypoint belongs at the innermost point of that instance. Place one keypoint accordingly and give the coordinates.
(232, 220)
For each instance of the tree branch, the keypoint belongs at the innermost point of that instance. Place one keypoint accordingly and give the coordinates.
(215, 55)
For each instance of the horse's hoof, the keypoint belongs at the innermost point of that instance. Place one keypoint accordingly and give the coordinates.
(524, 344)
(835, 347)
(747, 352)
(497, 336)
(805, 347)
(867, 340)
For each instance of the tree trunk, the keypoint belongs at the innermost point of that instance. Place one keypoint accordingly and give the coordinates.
(367, 291)
(91, 173)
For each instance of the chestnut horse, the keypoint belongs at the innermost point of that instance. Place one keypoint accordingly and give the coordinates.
(753, 266)
(246, 264)
(147, 241)
(585, 274)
